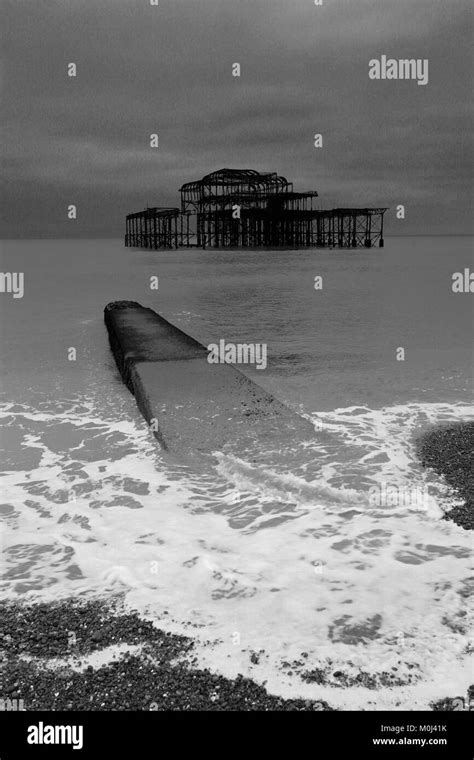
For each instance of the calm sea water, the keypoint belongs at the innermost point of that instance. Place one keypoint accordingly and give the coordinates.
(282, 560)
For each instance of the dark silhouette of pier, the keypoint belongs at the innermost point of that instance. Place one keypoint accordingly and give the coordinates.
(233, 208)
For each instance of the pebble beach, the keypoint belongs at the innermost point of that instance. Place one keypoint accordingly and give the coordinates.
(92, 655)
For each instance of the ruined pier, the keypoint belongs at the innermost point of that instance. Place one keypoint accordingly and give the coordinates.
(243, 208)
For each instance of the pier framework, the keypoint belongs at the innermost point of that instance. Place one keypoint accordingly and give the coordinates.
(249, 209)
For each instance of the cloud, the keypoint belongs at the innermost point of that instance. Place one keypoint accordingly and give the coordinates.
(167, 69)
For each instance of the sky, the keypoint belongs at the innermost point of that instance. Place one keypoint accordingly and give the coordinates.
(167, 69)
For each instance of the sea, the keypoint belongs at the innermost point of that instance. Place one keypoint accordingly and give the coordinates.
(330, 575)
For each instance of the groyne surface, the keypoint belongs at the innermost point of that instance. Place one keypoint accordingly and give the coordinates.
(196, 408)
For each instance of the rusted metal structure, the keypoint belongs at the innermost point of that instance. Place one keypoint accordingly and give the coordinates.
(249, 209)
(153, 228)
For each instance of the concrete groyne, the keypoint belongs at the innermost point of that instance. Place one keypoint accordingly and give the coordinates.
(194, 407)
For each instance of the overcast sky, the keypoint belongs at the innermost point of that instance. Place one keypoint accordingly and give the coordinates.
(304, 69)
